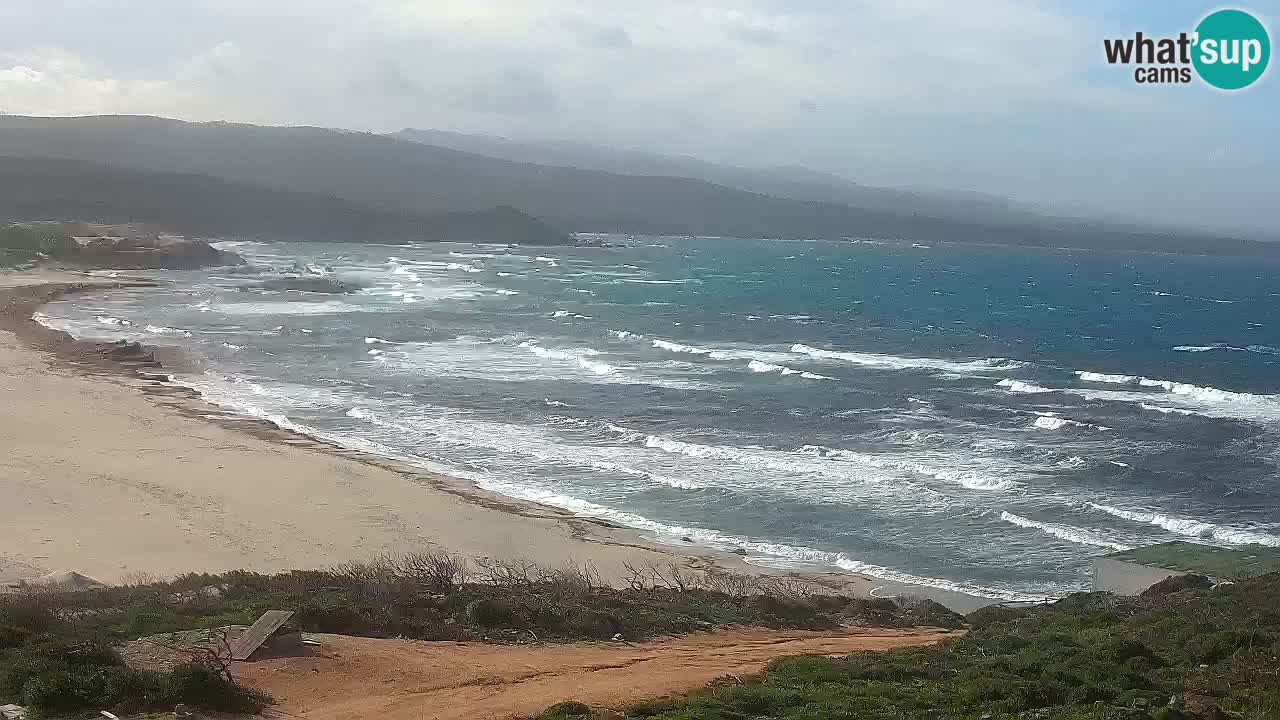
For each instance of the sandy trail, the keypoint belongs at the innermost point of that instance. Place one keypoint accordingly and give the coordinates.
(349, 677)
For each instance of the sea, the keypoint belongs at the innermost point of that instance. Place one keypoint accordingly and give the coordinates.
(967, 418)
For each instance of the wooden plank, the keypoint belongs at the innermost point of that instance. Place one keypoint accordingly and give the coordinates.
(253, 638)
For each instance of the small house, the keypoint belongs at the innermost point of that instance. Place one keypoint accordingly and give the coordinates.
(1131, 571)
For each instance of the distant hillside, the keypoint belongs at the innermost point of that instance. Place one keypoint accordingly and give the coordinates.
(408, 178)
(34, 188)
(792, 182)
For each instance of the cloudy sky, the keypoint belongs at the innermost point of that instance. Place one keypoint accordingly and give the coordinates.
(994, 95)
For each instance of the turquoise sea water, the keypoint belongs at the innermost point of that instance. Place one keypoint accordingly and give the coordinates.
(971, 418)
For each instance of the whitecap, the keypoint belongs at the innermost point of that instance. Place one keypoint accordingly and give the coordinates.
(894, 362)
(717, 539)
(1089, 376)
(1192, 528)
(580, 357)
(1064, 532)
(1018, 386)
(159, 330)
(333, 307)
(759, 366)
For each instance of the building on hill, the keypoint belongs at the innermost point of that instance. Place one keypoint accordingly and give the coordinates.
(1132, 571)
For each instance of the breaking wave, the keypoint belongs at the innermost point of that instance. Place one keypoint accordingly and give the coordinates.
(894, 362)
(580, 357)
(1017, 386)
(714, 538)
(802, 461)
(1192, 528)
(764, 367)
(1064, 532)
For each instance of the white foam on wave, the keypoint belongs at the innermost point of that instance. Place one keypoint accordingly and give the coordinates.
(1259, 349)
(1167, 410)
(568, 314)
(627, 335)
(1053, 421)
(232, 396)
(759, 366)
(71, 327)
(160, 330)
(1088, 376)
(714, 538)
(812, 458)
(107, 320)
(521, 441)
(681, 348)
(1023, 388)
(581, 357)
(1186, 399)
(1192, 528)
(1158, 293)
(758, 360)
(1064, 532)
(894, 362)
(332, 307)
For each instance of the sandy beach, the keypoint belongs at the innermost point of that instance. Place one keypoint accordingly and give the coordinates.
(110, 481)
(116, 477)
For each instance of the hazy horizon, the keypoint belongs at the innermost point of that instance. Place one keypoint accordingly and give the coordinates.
(1006, 98)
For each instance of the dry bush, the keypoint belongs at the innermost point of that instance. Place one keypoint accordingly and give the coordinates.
(507, 573)
(573, 578)
(433, 571)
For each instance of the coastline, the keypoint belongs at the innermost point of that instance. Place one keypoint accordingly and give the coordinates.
(118, 476)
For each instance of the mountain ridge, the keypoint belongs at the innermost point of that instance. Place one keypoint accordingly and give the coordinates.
(402, 177)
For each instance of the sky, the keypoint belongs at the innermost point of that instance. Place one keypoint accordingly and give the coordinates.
(1001, 96)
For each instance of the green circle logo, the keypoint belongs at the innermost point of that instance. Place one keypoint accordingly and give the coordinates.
(1232, 49)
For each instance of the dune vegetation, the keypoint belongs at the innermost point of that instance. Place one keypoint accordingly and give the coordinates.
(1182, 651)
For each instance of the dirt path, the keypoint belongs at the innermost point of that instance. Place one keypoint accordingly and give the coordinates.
(348, 678)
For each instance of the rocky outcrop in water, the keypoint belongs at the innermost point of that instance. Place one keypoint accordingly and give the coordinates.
(82, 245)
(129, 354)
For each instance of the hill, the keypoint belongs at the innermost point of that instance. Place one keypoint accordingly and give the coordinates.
(43, 188)
(792, 182)
(398, 176)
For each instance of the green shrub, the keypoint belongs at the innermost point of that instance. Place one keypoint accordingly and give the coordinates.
(1089, 656)
(490, 612)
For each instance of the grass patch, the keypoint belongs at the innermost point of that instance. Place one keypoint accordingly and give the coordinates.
(1180, 652)
(56, 664)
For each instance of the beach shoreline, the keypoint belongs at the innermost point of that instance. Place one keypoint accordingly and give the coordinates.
(328, 504)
